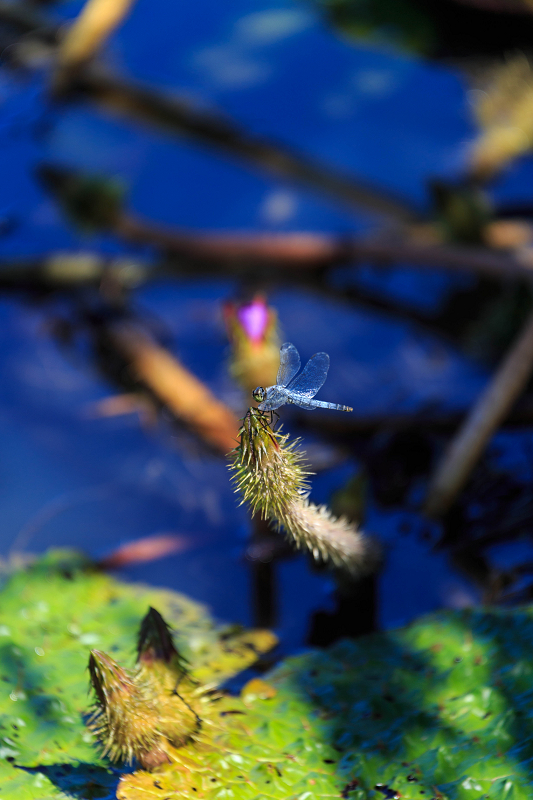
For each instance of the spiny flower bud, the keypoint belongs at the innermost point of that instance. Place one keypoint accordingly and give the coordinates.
(156, 646)
(142, 714)
(163, 671)
(124, 718)
(331, 539)
(271, 477)
(269, 471)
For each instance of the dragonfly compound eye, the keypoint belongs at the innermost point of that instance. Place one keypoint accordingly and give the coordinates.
(259, 394)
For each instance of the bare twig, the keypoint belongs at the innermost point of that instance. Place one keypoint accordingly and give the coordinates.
(186, 396)
(310, 251)
(234, 251)
(178, 116)
(96, 202)
(314, 251)
(95, 22)
(485, 417)
(248, 253)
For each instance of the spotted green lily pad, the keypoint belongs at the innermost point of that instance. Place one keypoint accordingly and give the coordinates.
(51, 615)
(440, 709)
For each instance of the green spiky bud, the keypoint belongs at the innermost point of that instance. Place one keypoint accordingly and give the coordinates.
(270, 471)
(124, 718)
(270, 475)
(164, 673)
(156, 646)
(142, 714)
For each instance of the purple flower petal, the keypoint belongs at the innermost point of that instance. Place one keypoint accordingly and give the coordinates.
(254, 319)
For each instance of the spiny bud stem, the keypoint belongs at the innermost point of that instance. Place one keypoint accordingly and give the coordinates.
(269, 473)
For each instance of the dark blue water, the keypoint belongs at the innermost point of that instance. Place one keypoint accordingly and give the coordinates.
(67, 478)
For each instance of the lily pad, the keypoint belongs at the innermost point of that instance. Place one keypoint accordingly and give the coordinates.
(51, 615)
(440, 709)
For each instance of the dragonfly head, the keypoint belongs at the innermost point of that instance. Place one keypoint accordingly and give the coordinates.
(259, 394)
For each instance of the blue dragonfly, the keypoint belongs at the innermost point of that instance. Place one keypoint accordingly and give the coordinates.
(299, 390)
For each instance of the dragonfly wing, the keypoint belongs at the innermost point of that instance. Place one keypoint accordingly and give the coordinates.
(274, 399)
(289, 364)
(312, 377)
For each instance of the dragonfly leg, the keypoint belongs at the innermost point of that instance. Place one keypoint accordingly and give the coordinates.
(273, 414)
(262, 416)
(248, 422)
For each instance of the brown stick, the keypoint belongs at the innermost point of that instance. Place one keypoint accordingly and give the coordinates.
(485, 417)
(298, 252)
(186, 396)
(178, 116)
(309, 251)
(94, 24)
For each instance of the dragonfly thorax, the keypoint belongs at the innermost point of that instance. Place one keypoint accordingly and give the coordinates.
(259, 394)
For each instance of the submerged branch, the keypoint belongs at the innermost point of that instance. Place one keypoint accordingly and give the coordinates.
(180, 391)
(314, 251)
(97, 203)
(295, 256)
(177, 115)
(485, 417)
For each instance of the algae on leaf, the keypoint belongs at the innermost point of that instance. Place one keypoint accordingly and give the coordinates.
(51, 615)
(440, 709)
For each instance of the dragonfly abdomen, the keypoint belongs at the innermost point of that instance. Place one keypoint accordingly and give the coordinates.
(334, 406)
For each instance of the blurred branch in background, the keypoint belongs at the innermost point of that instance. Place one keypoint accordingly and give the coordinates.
(82, 40)
(176, 115)
(98, 203)
(292, 255)
(180, 391)
(485, 417)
